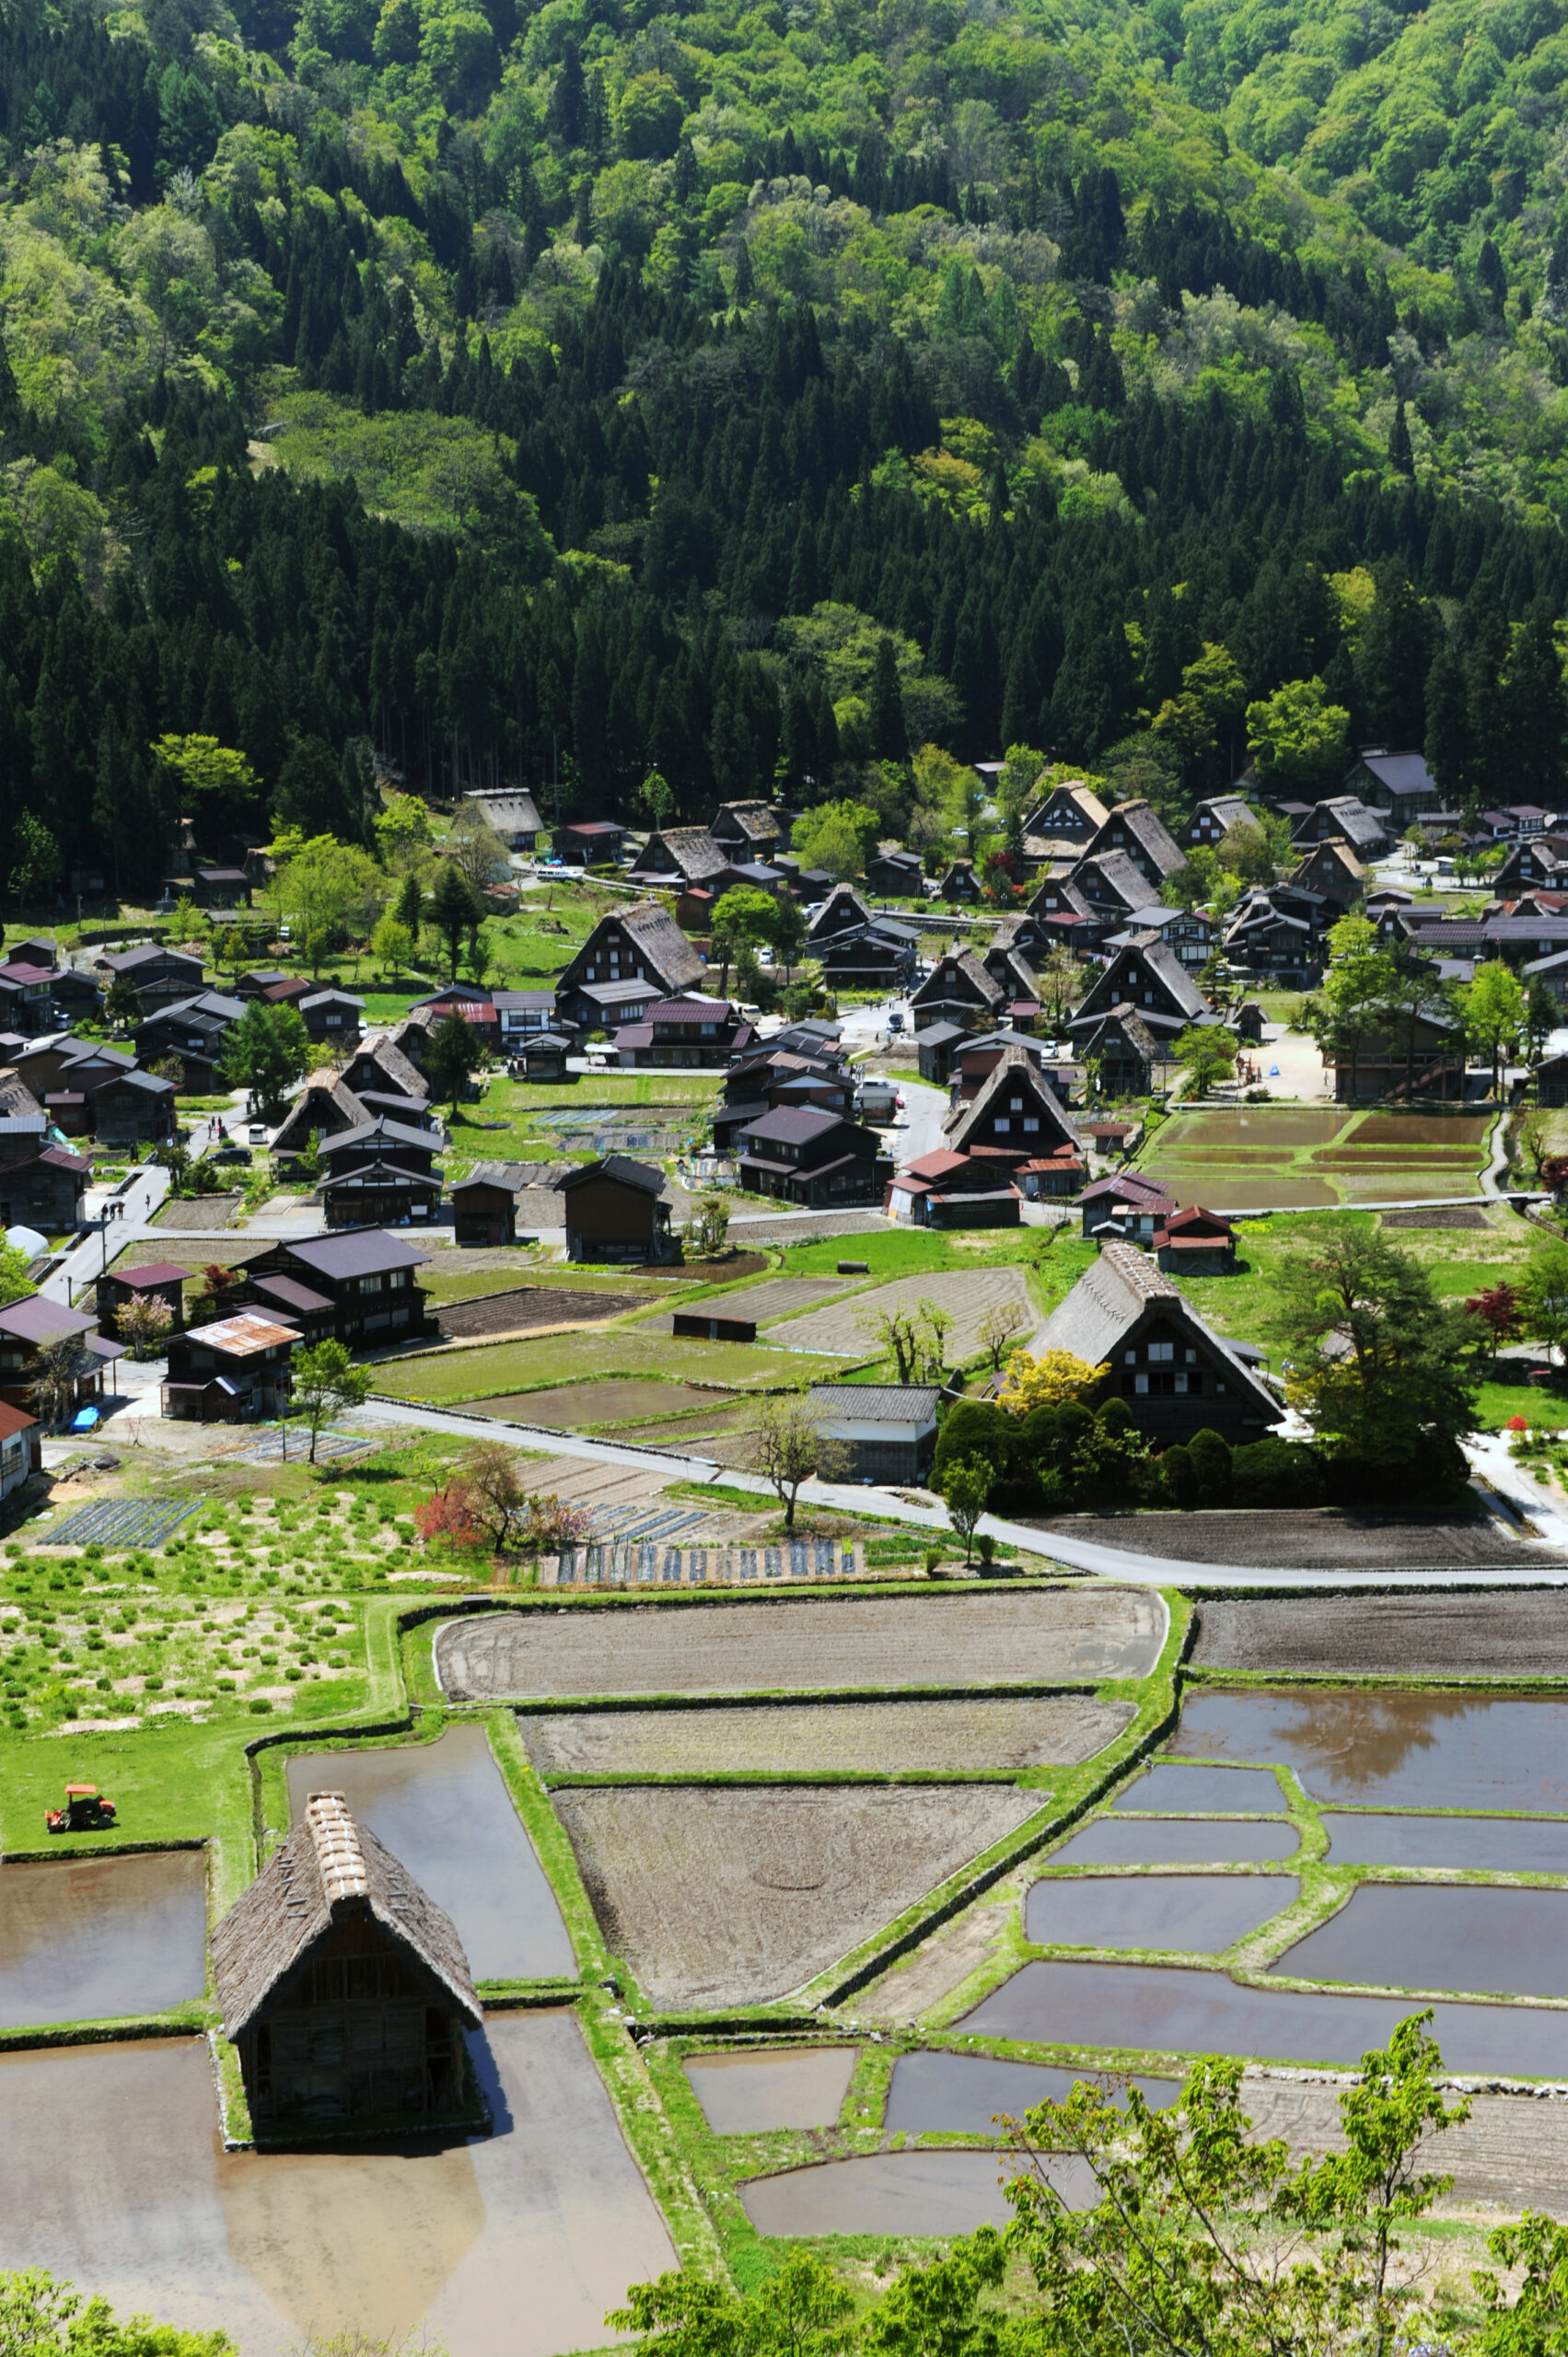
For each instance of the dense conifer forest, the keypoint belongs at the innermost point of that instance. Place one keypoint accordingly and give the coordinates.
(561, 392)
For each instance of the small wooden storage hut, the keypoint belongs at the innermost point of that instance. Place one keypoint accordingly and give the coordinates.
(343, 1985)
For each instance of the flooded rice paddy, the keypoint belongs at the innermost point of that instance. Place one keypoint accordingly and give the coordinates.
(1441, 1935)
(958, 2095)
(1404, 1749)
(443, 1810)
(794, 1645)
(745, 2094)
(1178, 1841)
(1195, 1914)
(1176, 2009)
(1501, 1845)
(111, 2175)
(899, 2193)
(101, 1938)
(1220, 1789)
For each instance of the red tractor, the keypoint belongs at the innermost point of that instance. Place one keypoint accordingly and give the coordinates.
(85, 1811)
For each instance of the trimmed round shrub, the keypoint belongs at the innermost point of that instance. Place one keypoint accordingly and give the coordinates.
(973, 1428)
(1275, 1472)
(1178, 1480)
(1116, 1416)
(1211, 1467)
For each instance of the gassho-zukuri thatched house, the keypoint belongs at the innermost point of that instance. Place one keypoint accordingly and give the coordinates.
(343, 1985)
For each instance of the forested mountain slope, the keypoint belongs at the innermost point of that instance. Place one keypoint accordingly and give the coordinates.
(581, 388)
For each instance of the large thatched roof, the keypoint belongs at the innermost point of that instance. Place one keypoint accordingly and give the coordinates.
(329, 1868)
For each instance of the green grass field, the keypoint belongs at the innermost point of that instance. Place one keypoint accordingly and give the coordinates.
(1459, 1261)
(604, 1352)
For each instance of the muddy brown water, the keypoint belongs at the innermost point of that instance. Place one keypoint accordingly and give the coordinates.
(966, 2093)
(1176, 1841)
(1505, 1845)
(900, 2193)
(1206, 1788)
(101, 1938)
(1197, 1914)
(443, 1810)
(742, 2094)
(1181, 2009)
(1408, 1749)
(1435, 1935)
(113, 2177)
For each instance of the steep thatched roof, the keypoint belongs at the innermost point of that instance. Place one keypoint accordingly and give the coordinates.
(327, 1870)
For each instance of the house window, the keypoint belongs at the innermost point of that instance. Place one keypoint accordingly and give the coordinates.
(1002, 1125)
(1129, 1358)
(1140, 1383)
(1032, 1121)
(1161, 1354)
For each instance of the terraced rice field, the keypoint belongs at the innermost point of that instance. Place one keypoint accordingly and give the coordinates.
(793, 1645)
(783, 1738)
(1269, 1158)
(730, 1897)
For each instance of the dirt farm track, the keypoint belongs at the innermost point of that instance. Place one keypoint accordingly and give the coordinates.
(796, 1643)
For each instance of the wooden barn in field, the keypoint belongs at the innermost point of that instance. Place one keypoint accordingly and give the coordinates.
(344, 1987)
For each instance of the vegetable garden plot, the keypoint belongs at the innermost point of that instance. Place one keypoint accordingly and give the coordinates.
(733, 1896)
(274, 1448)
(122, 1522)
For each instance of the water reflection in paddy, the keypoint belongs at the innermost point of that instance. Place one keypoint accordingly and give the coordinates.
(1175, 2009)
(1198, 1914)
(113, 2177)
(1441, 1935)
(964, 2094)
(1406, 1750)
(443, 1810)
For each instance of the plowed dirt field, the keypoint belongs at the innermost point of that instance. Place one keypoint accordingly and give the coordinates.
(794, 1644)
(732, 1896)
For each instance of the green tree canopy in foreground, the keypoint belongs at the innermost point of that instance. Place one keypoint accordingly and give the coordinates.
(1380, 1367)
(1167, 2234)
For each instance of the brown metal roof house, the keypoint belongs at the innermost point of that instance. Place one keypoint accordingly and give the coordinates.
(235, 1368)
(342, 1985)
